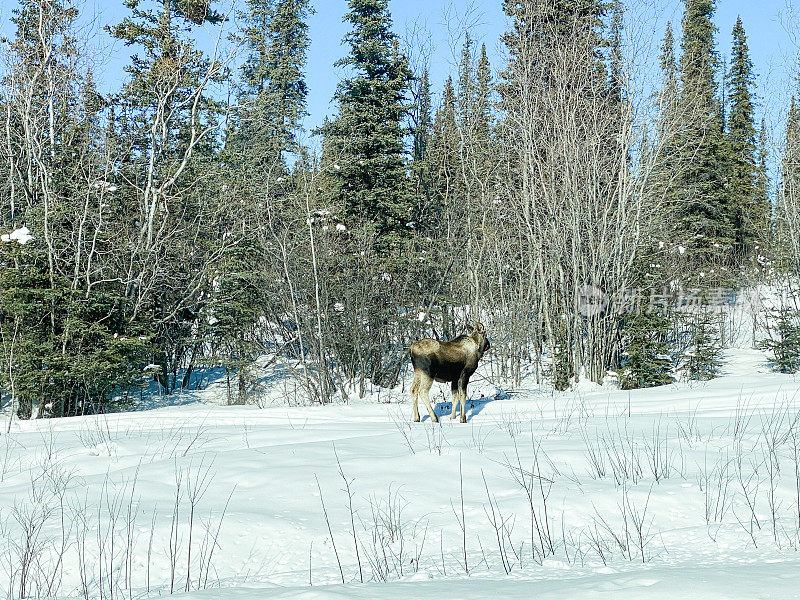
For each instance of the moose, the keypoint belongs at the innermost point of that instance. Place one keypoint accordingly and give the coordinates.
(454, 361)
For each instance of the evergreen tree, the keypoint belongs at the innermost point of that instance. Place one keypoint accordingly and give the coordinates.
(555, 95)
(646, 358)
(790, 168)
(466, 85)
(667, 102)
(762, 181)
(423, 120)
(789, 192)
(445, 128)
(702, 358)
(616, 83)
(669, 66)
(473, 186)
(365, 143)
(703, 218)
(367, 187)
(699, 60)
(784, 339)
(791, 160)
(743, 180)
(160, 96)
(544, 23)
(273, 91)
(443, 156)
(421, 165)
(272, 100)
(662, 183)
(482, 105)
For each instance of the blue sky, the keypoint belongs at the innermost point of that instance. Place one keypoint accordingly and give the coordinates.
(441, 23)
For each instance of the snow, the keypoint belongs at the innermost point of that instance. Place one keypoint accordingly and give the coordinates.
(681, 465)
(108, 186)
(22, 236)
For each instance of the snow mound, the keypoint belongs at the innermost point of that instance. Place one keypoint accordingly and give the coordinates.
(22, 236)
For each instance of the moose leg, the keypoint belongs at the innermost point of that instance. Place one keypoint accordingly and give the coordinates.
(462, 396)
(415, 396)
(425, 384)
(454, 393)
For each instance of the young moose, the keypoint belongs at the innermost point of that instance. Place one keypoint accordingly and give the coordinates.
(454, 361)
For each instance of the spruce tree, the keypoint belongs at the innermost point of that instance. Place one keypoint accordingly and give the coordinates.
(784, 339)
(365, 143)
(466, 85)
(703, 218)
(473, 187)
(616, 83)
(662, 182)
(423, 118)
(743, 179)
(273, 91)
(699, 60)
(483, 150)
(545, 22)
(443, 156)
(646, 360)
(788, 192)
(272, 99)
(669, 65)
(762, 181)
(702, 358)
(421, 172)
(791, 159)
(366, 186)
(483, 98)
(555, 95)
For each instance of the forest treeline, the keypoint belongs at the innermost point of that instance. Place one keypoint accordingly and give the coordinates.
(167, 227)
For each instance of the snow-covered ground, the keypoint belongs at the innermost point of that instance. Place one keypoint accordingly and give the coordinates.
(684, 491)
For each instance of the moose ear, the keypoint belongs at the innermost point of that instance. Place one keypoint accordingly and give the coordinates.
(479, 328)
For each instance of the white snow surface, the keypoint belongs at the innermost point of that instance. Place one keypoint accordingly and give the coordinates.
(22, 236)
(683, 491)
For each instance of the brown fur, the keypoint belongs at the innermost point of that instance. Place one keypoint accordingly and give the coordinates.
(454, 362)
